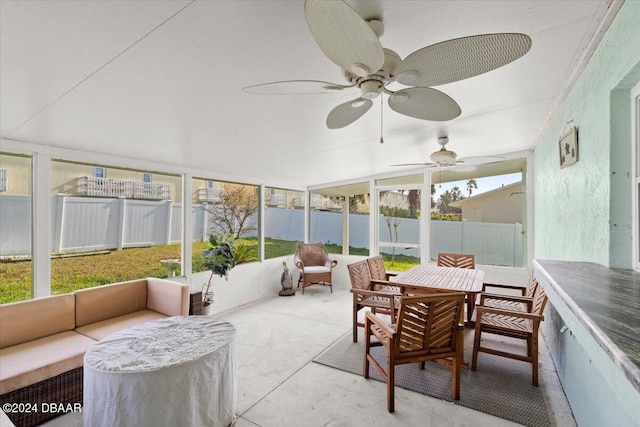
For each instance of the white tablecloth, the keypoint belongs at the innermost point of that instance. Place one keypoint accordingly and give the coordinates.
(178, 371)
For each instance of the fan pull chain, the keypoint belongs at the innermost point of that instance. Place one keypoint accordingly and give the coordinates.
(381, 108)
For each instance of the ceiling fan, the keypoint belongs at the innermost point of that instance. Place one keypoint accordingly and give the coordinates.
(447, 158)
(352, 43)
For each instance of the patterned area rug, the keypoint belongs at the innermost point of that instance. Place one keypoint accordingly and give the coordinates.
(500, 387)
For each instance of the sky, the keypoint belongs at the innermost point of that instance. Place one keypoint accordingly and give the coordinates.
(484, 184)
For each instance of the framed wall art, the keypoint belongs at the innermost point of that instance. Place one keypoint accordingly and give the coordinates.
(568, 146)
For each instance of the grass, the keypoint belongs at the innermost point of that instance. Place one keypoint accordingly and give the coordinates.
(85, 271)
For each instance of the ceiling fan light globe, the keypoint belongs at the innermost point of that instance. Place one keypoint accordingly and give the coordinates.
(377, 26)
(407, 77)
(399, 98)
(443, 157)
(358, 103)
(359, 69)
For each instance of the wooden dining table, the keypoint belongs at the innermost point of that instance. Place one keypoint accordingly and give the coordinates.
(422, 277)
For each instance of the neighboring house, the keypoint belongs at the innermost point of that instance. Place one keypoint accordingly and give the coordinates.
(77, 179)
(502, 205)
(279, 198)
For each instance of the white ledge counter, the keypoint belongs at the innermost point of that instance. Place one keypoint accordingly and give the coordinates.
(593, 332)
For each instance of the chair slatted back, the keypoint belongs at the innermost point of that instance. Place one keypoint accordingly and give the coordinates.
(310, 253)
(539, 301)
(359, 275)
(427, 324)
(376, 268)
(531, 286)
(457, 260)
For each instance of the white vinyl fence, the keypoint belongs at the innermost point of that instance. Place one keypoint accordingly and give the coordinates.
(83, 223)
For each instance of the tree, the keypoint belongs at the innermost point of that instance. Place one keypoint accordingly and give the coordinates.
(356, 202)
(433, 192)
(414, 203)
(471, 184)
(237, 204)
(447, 198)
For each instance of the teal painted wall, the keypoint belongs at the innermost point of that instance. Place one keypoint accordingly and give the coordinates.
(583, 212)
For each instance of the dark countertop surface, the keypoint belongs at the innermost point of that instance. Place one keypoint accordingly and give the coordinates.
(607, 302)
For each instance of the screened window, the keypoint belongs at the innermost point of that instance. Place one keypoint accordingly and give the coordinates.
(283, 221)
(481, 213)
(15, 229)
(118, 228)
(225, 208)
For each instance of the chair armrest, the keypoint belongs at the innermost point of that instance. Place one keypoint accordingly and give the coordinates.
(327, 261)
(385, 286)
(367, 293)
(390, 297)
(500, 286)
(370, 317)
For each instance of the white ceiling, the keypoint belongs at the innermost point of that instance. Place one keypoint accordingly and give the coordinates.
(162, 81)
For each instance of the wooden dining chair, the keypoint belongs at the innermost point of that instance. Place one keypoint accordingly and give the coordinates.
(378, 295)
(378, 270)
(427, 327)
(494, 298)
(456, 260)
(523, 325)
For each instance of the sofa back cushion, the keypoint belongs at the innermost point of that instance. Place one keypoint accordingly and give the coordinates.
(109, 301)
(167, 297)
(37, 318)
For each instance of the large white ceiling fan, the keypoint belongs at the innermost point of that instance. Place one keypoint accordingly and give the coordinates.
(447, 158)
(352, 43)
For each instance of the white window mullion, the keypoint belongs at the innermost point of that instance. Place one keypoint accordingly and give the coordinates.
(41, 226)
(635, 167)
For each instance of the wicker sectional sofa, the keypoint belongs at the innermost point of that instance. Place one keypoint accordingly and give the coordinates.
(43, 341)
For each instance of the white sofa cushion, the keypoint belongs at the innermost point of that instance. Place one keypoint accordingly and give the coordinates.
(316, 269)
(29, 320)
(99, 330)
(34, 361)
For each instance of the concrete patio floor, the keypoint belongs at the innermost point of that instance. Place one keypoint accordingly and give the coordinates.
(279, 385)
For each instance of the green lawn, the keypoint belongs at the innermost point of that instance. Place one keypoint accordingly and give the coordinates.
(71, 273)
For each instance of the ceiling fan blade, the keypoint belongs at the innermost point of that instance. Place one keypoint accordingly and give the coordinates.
(480, 160)
(461, 58)
(348, 112)
(344, 36)
(431, 165)
(424, 103)
(295, 87)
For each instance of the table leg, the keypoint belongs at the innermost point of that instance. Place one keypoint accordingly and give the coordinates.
(471, 304)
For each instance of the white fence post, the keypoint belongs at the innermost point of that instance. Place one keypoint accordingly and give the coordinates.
(58, 221)
(205, 223)
(169, 206)
(121, 219)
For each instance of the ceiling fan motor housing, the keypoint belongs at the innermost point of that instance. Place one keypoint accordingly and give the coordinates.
(370, 88)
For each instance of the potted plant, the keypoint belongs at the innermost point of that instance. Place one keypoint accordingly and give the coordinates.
(219, 258)
(222, 255)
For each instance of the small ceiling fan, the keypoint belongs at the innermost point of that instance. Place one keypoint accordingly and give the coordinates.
(352, 43)
(447, 158)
